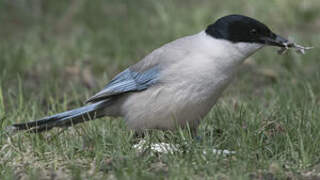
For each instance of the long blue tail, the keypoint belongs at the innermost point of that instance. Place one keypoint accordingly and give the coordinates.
(65, 119)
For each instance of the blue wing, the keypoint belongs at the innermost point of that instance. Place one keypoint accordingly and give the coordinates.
(127, 81)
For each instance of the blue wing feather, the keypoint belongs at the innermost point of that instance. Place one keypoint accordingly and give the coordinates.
(128, 81)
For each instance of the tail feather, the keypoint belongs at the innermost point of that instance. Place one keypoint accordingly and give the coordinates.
(64, 119)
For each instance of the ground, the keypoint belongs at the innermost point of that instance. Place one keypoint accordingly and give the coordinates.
(56, 54)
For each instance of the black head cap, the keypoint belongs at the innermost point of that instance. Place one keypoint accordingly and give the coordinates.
(239, 28)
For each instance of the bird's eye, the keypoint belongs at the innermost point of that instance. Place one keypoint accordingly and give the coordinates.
(253, 31)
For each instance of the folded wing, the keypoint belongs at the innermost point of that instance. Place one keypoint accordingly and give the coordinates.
(127, 81)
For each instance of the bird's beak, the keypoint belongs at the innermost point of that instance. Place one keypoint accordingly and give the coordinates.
(275, 40)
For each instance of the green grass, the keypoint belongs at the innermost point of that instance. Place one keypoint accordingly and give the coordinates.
(55, 54)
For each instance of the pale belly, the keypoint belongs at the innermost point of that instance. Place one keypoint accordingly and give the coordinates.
(168, 107)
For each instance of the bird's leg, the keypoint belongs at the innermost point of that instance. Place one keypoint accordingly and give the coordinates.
(139, 134)
(194, 133)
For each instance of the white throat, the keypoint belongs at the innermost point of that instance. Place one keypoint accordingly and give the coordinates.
(227, 53)
(225, 47)
(247, 49)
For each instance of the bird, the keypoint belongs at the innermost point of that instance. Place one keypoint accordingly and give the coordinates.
(175, 85)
